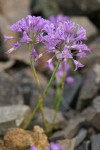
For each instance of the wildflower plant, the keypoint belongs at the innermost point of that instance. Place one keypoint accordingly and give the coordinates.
(61, 37)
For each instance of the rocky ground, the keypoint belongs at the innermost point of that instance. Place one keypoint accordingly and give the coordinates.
(77, 126)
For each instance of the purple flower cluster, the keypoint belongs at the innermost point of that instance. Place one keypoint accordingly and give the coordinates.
(61, 37)
(53, 146)
(65, 40)
(30, 28)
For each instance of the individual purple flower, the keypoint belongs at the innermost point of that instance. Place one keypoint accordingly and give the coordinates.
(22, 25)
(63, 69)
(33, 148)
(56, 19)
(55, 146)
(81, 34)
(50, 39)
(59, 31)
(16, 27)
(10, 50)
(69, 26)
(34, 53)
(78, 64)
(25, 38)
(81, 54)
(65, 53)
(8, 37)
(40, 24)
(70, 80)
(14, 47)
(60, 73)
(50, 65)
(82, 47)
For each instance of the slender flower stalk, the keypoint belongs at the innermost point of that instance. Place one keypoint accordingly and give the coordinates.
(32, 115)
(33, 69)
(58, 102)
(40, 103)
(41, 98)
(58, 90)
(51, 79)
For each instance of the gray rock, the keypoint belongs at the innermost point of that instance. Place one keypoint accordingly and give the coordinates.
(3, 26)
(79, 7)
(71, 144)
(28, 88)
(72, 130)
(73, 127)
(70, 114)
(58, 135)
(6, 124)
(70, 92)
(3, 56)
(9, 91)
(13, 116)
(21, 55)
(6, 65)
(49, 100)
(17, 10)
(80, 137)
(96, 102)
(60, 122)
(84, 146)
(26, 82)
(92, 116)
(67, 144)
(88, 5)
(68, 7)
(96, 41)
(95, 142)
(88, 8)
(96, 69)
(83, 21)
(89, 89)
(46, 8)
(5, 30)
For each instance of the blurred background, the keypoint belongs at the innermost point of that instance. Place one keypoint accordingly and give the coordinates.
(16, 82)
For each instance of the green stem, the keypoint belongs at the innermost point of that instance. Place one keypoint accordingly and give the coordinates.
(32, 115)
(39, 105)
(58, 101)
(39, 93)
(33, 70)
(51, 79)
(42, 113)
(58, 90)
